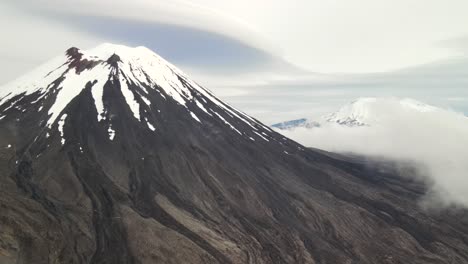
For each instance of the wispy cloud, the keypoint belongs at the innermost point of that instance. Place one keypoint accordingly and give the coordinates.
(184, 34)
(333, 36)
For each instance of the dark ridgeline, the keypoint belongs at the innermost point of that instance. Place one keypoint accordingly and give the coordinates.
(220, 189)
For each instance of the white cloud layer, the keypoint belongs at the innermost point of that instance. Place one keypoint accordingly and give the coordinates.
(436, 140)
(321, 36)
(175, 12)
(357, 35)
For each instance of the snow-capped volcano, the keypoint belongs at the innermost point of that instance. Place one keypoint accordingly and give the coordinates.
(365, 111)
(113, 155)
(141, 75)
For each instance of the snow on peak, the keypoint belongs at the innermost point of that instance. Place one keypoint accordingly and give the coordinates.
(61, 123)
(66, 76)
(73, 71)
(143, 67)
(369, 110)
(364, 111)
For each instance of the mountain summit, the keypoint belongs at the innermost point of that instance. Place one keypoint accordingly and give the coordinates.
(113, 155)
(368, 111)
(141, 75)
(364, 111)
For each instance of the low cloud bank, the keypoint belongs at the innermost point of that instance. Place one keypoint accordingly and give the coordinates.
(438, 140)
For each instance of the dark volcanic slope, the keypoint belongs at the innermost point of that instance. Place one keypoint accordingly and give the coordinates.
(115, 156)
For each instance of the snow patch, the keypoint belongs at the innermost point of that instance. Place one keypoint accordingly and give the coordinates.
(61, 123)
(200, 105)
(130, 99)
(195, 117)
(261, 136)
(111, 133)
(147, 102)
(12, 104)
(150, 126)
(227, 123)
(74, 83)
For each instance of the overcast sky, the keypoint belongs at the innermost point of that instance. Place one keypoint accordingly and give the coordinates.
(274, 59)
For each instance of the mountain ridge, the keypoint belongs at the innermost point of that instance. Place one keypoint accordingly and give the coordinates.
(168, 80)
(85, 179)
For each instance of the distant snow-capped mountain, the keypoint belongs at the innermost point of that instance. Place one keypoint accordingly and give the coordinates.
(433, 140)
(368, 111)
(365, 111)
